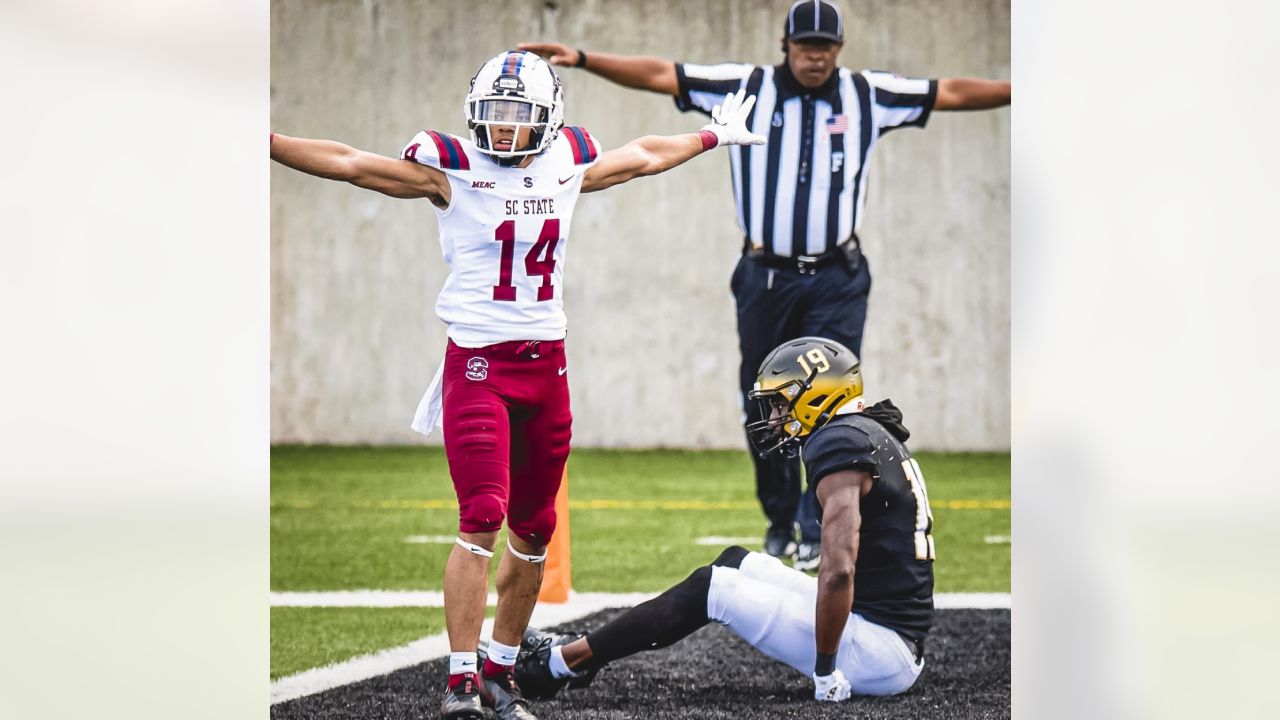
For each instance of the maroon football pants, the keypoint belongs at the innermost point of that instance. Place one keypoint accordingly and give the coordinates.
(506, 433)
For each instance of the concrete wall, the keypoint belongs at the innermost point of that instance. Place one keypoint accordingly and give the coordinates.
(653, 350)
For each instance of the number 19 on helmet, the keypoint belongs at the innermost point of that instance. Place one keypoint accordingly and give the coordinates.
(801, 385)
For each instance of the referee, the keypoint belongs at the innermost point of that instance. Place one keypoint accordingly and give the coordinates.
(800, 199)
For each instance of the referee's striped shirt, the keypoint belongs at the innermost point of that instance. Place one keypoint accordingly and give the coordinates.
(803, 193)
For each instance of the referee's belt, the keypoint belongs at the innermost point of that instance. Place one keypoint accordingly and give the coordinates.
(848, 251)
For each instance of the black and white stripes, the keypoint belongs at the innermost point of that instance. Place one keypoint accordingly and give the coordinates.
(803, 192)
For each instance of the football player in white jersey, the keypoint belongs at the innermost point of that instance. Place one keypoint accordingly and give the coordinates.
(504, 201)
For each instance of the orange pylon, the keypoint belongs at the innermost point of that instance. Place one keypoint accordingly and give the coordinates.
(556, 580)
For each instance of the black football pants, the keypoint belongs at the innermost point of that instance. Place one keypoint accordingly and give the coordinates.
(780, 304)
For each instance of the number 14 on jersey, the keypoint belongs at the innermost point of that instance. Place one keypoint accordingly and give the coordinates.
(539, 261)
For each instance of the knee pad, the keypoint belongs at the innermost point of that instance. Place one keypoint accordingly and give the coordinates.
(536, 528)
(481, 512)
(731, 557)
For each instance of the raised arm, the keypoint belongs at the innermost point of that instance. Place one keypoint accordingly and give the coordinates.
(972, 94)
(654, 154)
(633, 71)
(839, 494)
(335, 161)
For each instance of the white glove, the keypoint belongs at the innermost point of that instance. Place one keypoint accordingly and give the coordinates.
(729, 121)
(831, 688)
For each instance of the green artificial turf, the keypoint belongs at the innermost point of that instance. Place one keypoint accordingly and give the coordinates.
(303, 638)
(340, 517)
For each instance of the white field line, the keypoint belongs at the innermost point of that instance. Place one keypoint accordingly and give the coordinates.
(430, 539)
(720, 540)
(997, 539)
(973, 601)
(364, 667)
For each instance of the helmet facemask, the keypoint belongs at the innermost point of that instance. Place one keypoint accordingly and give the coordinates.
(493, 112)
(778, 430)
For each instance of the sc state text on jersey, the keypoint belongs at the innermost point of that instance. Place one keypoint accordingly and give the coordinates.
(534, 206)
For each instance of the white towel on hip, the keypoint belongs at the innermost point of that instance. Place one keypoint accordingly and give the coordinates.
(430, 412)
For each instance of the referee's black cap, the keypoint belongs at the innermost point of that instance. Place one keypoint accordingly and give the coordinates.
(814, 19)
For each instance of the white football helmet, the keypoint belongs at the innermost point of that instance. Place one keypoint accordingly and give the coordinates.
(519, 89)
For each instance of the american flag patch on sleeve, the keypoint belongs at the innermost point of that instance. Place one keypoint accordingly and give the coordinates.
(837, 124)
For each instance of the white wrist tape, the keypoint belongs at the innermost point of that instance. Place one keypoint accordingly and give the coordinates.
(524, 557)
(474, 549)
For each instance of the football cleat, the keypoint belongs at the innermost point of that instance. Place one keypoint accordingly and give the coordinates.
(779, 544)
(501, 693)
(533, 666)
(807, 556)
(463, 702)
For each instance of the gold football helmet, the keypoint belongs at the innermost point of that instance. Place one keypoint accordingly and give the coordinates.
(801, 385)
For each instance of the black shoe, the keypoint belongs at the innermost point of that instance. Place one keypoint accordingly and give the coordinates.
(463, 701)
(501, 693)
(533, 666)
(780, 544)
(807, 556)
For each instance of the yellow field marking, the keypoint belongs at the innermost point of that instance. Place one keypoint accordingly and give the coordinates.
(605, 504)
(418, 504)
(970, 505)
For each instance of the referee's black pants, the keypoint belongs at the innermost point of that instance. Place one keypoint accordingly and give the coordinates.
(779, 304)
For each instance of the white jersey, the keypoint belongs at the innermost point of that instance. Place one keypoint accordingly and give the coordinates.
(504, 235)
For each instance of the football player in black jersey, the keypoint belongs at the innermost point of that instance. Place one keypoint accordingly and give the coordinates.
(857, 628)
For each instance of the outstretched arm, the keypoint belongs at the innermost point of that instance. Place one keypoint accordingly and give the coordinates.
(972, 94)
(648, 155)
(633, 71)
(653, 154)
(335, 161)
(839, 494)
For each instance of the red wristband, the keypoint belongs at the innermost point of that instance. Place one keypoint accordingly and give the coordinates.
(709, 139)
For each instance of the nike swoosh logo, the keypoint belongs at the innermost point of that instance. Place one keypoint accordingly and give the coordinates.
(566, 179)
(561, 371)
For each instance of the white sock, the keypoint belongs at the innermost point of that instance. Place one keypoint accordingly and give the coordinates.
(502, 654)
(559, 668)
(462, 662)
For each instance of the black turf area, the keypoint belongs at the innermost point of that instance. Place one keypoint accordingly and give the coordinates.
(713, 674)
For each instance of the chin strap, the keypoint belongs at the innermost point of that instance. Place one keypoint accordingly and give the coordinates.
(523, 556)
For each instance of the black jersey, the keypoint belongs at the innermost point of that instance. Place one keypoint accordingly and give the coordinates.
(893, 580)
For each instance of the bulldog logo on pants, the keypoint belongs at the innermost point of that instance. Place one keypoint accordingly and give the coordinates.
(477, 368)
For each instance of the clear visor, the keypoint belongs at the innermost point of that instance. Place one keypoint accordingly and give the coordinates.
(509, 111)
